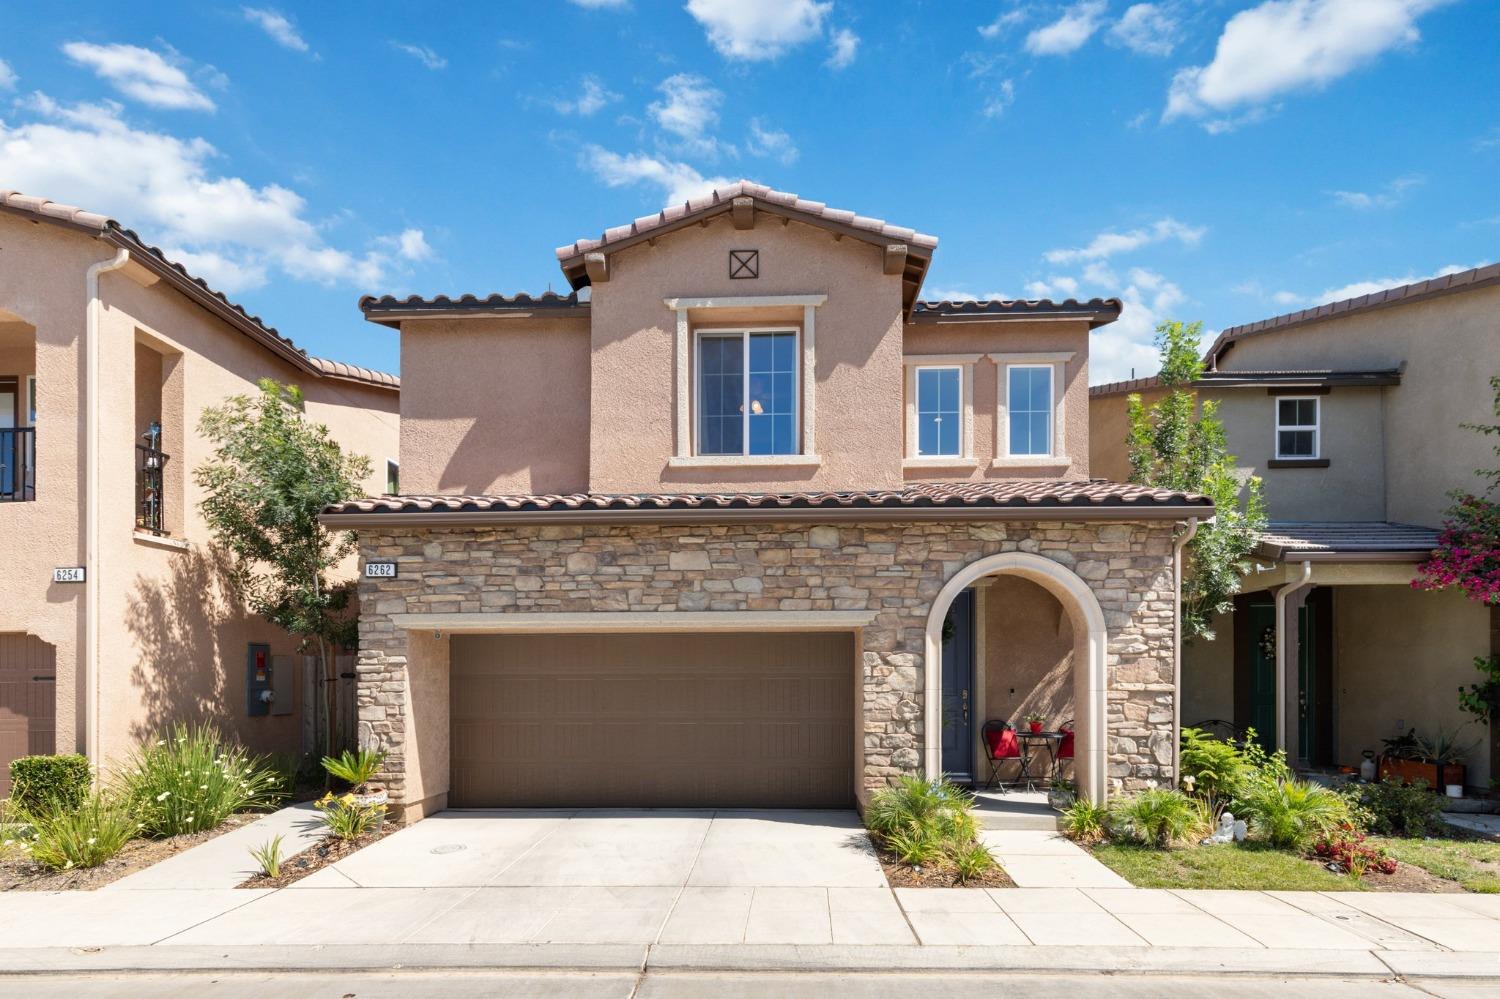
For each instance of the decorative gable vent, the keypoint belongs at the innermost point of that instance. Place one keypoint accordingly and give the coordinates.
(744, 263)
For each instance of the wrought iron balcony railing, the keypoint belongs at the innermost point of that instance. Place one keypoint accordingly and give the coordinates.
(150, 497)
(17, 464)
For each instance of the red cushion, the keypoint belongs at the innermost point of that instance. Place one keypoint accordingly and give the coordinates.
(1003, 744)
(1065, 748)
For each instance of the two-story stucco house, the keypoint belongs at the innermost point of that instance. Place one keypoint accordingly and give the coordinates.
(1350, 412)
(692, 538)
(114, 621)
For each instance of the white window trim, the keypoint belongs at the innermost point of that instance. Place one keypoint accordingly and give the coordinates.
(965, 365)
(1058, 456)
(1316, 427)
(683, 359)
(744, 332)
(29, 388)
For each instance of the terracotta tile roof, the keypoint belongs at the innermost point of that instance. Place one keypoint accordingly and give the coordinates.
(1476, 277)
(1097, 311)
(1332, 540)
(1310, 378)
(154, 259)
(389, 310)
(1072, 497)
(720, 198)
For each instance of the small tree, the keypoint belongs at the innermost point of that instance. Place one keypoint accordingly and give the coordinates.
(1177, 444)
(271, 474)
(1468, 556)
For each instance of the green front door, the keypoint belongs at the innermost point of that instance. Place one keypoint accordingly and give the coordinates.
(1262, 717)
(1307, 684)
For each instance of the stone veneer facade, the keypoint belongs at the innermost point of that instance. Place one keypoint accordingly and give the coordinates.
(893, 568)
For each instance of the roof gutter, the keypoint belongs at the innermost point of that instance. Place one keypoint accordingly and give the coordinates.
(1281, 649)
(761, 515)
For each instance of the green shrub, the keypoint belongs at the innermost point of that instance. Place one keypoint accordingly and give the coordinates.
(929, 822)
(1218, 768)
(1391, 808)
(85, 836)
(1291, 813)
(192, 780)
(1157, 818)
(294, 770)
(347, 819)
(42, 782)
(1085, 821)
(354, 769)
(268, 856)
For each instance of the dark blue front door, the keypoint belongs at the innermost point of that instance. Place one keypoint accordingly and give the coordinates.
(958, 689)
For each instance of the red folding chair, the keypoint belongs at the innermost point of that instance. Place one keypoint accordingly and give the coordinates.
(1000, 744)
(1065, 747)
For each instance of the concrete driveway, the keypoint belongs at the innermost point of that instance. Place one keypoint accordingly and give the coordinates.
(611, 848)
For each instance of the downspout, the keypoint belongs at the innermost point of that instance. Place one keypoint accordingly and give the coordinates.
(1177, 547)
(88, 669)
(1281, 595)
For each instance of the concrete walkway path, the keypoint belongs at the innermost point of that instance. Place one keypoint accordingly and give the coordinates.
(1035, 858)
(224, 861)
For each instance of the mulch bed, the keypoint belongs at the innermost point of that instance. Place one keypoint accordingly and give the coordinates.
(18, 873)
(329, 850)
(900, 875)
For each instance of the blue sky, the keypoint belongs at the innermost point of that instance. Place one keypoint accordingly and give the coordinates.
(1204, 160)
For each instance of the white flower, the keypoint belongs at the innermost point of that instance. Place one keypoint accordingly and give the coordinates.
(91, 841)
(161, 742)
(203, 787)
(164, 796)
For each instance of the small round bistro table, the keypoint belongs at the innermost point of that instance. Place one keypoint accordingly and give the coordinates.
(1035, 743)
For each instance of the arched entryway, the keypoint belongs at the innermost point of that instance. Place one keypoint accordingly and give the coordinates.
(1086, 619)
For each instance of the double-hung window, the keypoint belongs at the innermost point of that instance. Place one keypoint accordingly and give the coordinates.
(1297, 428)
(747, 392)
(1029, 409)
(939, 407)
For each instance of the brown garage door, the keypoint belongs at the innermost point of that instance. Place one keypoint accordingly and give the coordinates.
(717, 720)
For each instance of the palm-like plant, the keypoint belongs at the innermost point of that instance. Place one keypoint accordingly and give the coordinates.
(355, 769)
(1156, 817)
(1291, 812)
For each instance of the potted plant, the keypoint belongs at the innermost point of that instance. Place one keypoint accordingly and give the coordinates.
(1034, 722)
(1437, 761)
(358, 770)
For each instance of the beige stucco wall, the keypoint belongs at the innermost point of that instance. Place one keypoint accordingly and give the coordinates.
(1401, 657)
(1451, 348)
(858, 411)
(495, 406)
(1028, 653)
(172, 643)
(1012, 338)
(1109, 425)
(1208, 674)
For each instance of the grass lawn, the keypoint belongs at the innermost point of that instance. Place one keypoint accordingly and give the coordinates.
(1475, 864)
(1231, 865)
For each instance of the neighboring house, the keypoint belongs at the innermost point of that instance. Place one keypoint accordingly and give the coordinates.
(109, 353)
(1351, 414)
(693, 539)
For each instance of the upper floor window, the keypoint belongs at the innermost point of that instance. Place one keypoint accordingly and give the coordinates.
(1029, 409)
(747, 392)
(392, 476)
(939, 410)
(1297, 427)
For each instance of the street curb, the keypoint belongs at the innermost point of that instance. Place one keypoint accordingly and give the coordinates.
(752, 958)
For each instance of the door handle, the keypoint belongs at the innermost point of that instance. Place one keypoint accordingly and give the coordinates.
(966, 705)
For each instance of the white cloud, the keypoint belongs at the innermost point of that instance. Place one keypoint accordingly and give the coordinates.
(275, 24)
(763, 29)
(1126, 348)
(1056, 286)
(1107, 244)
(1284, 45)
(998, 102)
(843, 45)
(1002, 23)
(1389, 196)
(7, 76)
(165, 186)
(592, 97)
(1069, 32)
(677, 181)
(944, 294)
(412, 245)
(1358, 289)
(689, 109)
(426, 56)
(140, 74)
(1147, 29)
(601, 4)
(1286, 298)
(771, 143)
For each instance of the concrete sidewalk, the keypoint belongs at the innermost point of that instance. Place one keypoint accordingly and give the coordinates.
(224, 861)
